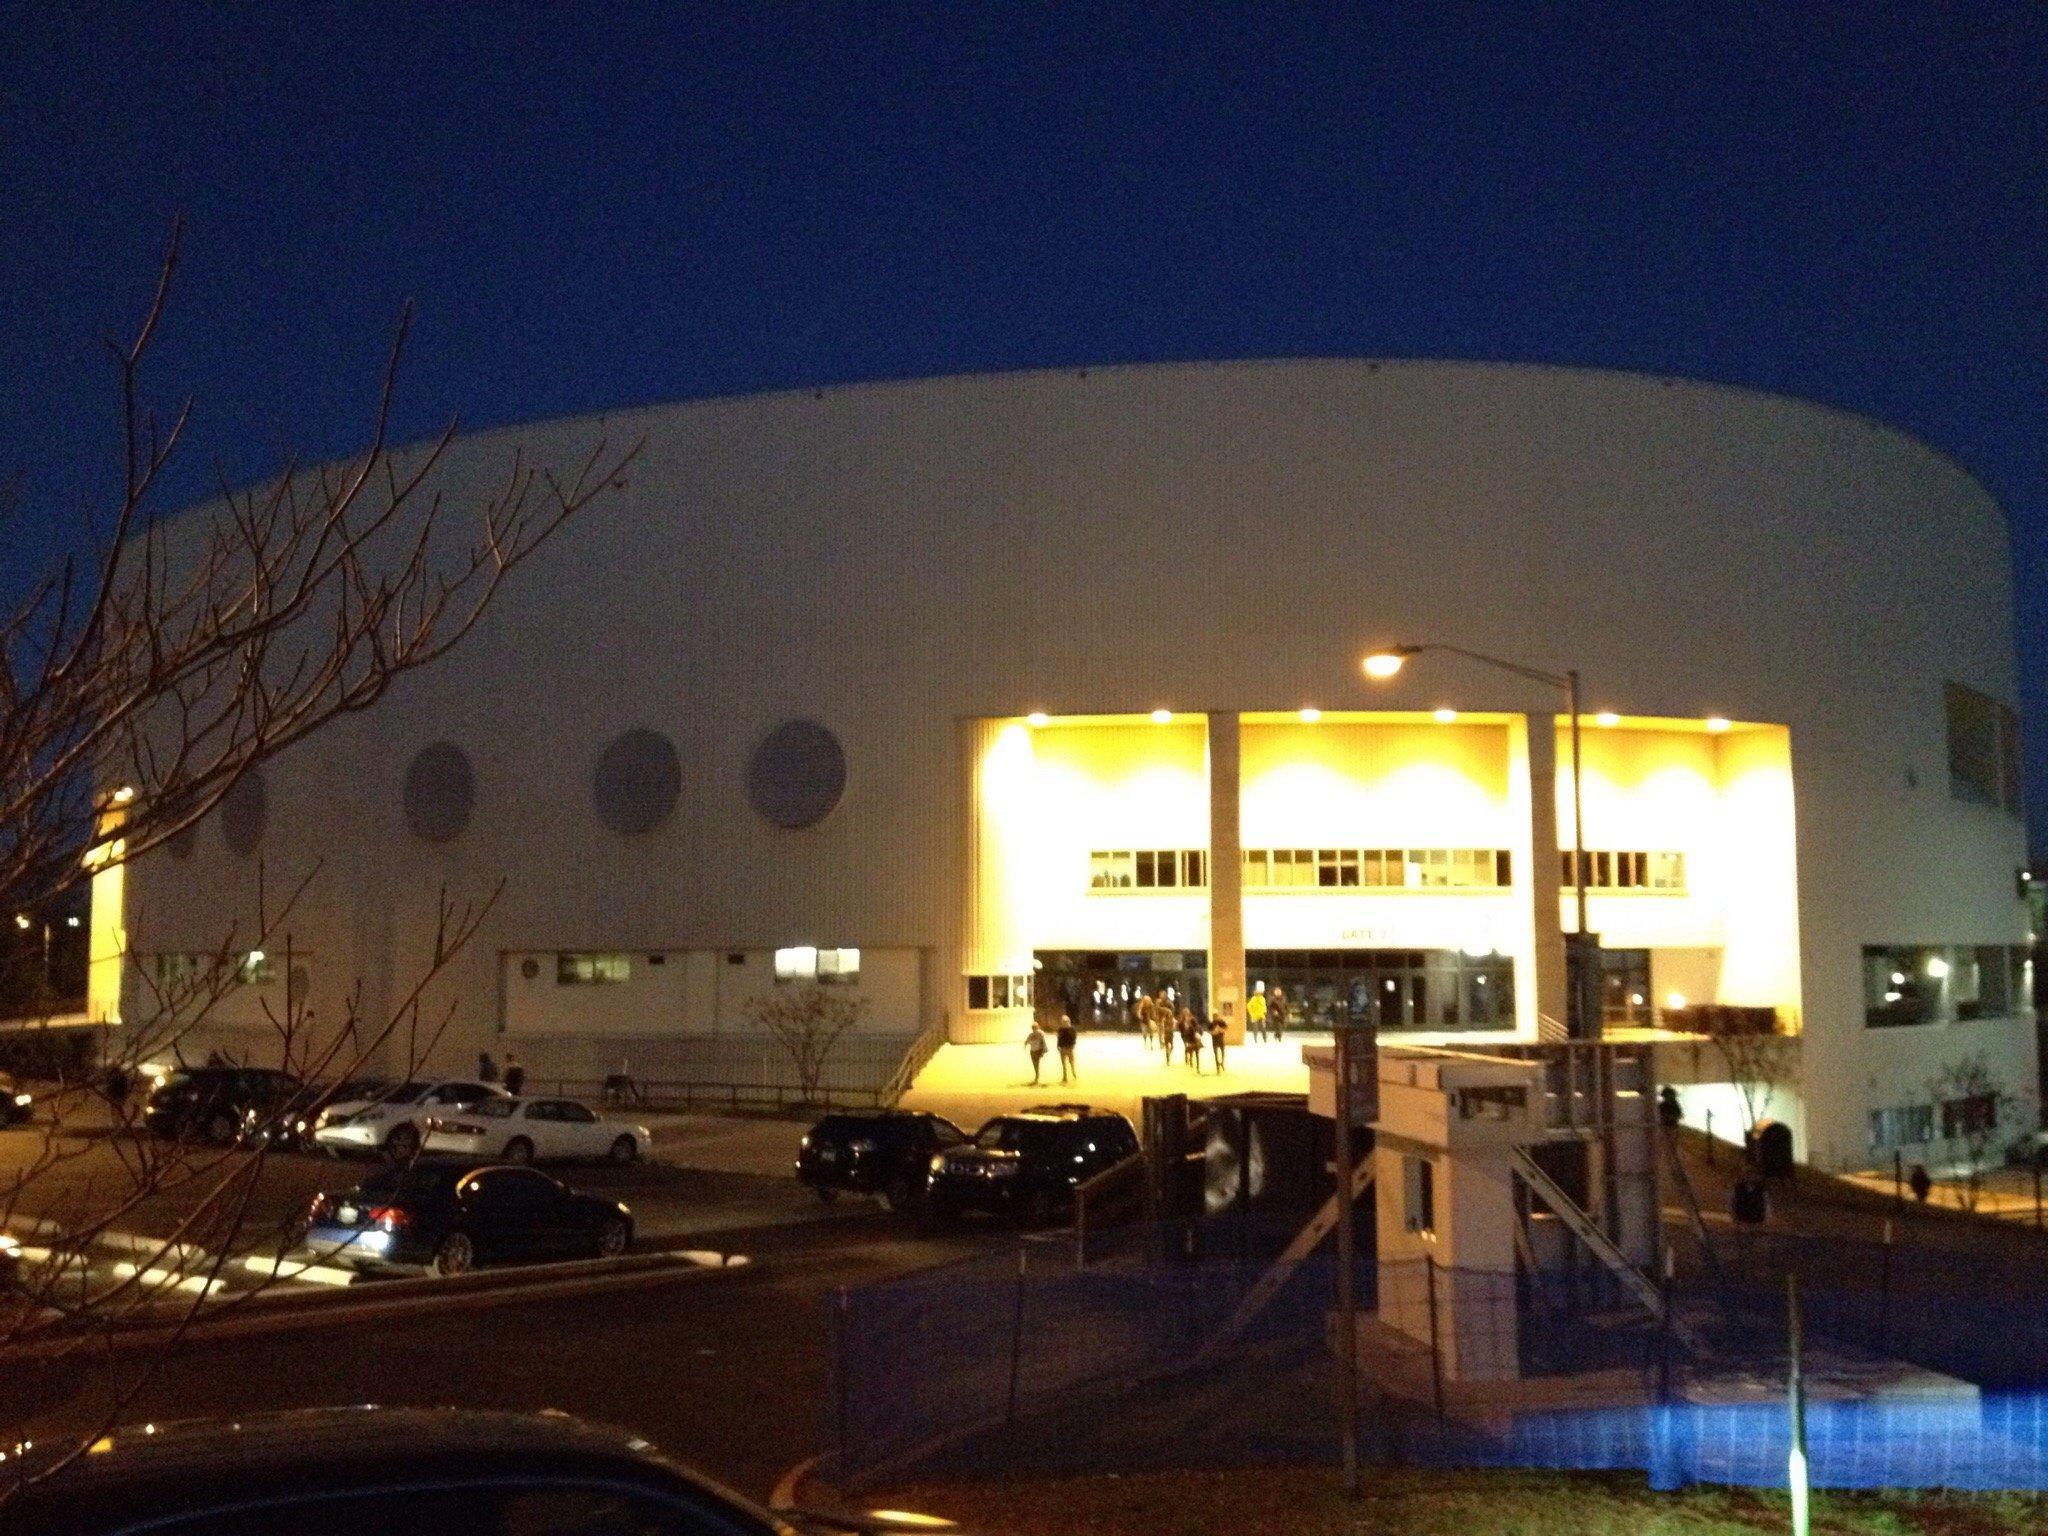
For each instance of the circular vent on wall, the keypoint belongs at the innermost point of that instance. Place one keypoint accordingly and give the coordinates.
(440, 790)
(797, 776)
(242, 813)
(637, 781)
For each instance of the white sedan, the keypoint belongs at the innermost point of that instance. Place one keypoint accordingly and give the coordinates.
(522, 1130)
(395, 1121)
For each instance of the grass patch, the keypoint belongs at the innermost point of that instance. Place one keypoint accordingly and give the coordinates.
(1417, 1502)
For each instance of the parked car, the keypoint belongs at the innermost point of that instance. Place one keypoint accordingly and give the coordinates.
(211, 1103)
(1026, 1165)
(290, 1127)
(512, 1130)
(448, 1217)
(394, 1122)
(387, 1469)
(16, 1103)
(886, 1152)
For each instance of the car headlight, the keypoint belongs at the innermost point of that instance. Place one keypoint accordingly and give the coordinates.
(863, 1144)
(938, 1162)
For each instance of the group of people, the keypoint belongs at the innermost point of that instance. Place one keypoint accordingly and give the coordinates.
(1265, 1017)
(1160, 1024)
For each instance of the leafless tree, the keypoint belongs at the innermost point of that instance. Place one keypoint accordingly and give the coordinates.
(1756, 1056)
(137, 688)
(807, 1020)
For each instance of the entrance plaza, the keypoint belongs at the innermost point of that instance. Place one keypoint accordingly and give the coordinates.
(970, 1083)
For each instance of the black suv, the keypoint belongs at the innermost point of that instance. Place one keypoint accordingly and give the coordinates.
(214, 1103)
(1027, 1164)
(886, 1152)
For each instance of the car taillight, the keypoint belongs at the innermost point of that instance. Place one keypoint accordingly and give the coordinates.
(321, 1206)
(390, 1217)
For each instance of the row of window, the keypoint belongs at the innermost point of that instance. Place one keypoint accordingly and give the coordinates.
(985, 992)
(1912, 1125)
(1338, 869)
(1936, 983)
(178, 972)
(1377, 868)
(1627, 870)
(1149, 869)
(1983, 749)
(798, 962)
(807, 962)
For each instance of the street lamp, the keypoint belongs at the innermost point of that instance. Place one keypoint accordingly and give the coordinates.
(1383, 664)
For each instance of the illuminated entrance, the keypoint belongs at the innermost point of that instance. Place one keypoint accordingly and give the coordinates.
(1098, 989)
(1392, 989)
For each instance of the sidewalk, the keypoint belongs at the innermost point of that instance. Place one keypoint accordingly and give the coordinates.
(968, 1084)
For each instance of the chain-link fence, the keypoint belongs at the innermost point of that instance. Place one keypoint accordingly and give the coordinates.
(1151, 1359)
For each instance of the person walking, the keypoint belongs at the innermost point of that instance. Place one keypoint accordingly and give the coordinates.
(1218, 1030)
(1255, 1015)
(1066, 1038)
(1190, 1040)
(486, 1067)
(1034, 1047)
(1162, 1020)
(1142, 1008)
(1276, 1014)
(515, 1075)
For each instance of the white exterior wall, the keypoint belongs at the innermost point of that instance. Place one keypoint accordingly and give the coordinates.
(893, 560)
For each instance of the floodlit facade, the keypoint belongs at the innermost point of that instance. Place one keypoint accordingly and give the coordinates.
(983, 695)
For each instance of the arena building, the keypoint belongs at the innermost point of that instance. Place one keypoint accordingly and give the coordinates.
(981, 695)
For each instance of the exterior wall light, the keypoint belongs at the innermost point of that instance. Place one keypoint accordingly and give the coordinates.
(1446, 716)
(1607, 718)
(1937, 967)
(1310, 714)
(1161, 716)
(124, 794)
(1038, 717)
(1717, 723)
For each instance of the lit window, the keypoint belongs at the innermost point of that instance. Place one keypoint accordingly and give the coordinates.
(592, 969)
(839, 967)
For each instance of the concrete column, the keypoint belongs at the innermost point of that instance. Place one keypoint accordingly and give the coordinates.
(996, 790)
(1226, 877)
(1532, 793)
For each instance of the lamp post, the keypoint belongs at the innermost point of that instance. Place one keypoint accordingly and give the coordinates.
(1582, 1017)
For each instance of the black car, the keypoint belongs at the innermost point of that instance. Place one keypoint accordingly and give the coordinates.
(886, 1152)
(288, 1127)
(450, 1217)
(322, 1471)
(1026, 1165)
(213, 1103)
(16, 1103)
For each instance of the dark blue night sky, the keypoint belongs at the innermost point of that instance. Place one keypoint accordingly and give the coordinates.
(597, 206)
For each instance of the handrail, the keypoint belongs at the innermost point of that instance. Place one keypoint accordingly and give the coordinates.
(915, 1059)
